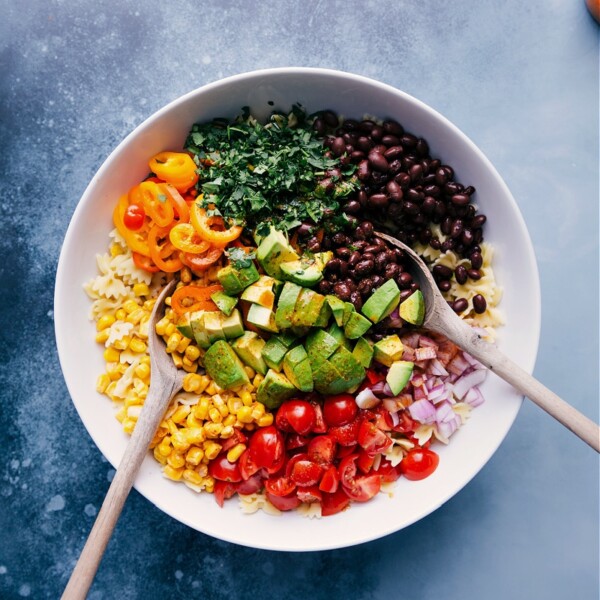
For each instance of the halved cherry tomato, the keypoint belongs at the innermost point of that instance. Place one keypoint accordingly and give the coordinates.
(295, 441)
(238, 437)
(223, 470)
(289, 465)
(178, 168)
(156, 203)
(365, 461)
(339, 410)
(296, 415)
(184, 237)
(387, 472)
(372, 439)
(406, 424)
(223, 491)
(201, 262)
(159, 245)
(309, 494)
(346, 435)
(419, 463)
(334, 503)
(134, 217)
(191, 298)
(144, 262)
(345, 451)
(280, 486)
(284, 502)
(306, 473)
(212, 229)
(249, 486)
(361, 488)
(330, 481)
(319, 426)
(248, 468)
(321, 449)
(267, 447)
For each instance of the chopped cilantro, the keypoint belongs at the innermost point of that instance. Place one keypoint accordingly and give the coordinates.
(267, 174)
(240, 259)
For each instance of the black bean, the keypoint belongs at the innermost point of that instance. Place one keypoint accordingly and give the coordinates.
(467, 237)
(461, 274)
(340, 239)
(366, 125)
(365, 286)
(356, 156)
(376, 133)
(478, 221)
(452, 188)
(393, 128)
(479, 303)
(392, 270)
(343, 253)
(447, 245)
(410, 208)
(354, 258)
(381, 260)
(378, 162)
(446, 226)
(364, 170)
(378, 201)
(441, 177)
(422, 147)
(428, 205)
(394, 190)
(324, 286)
(319, 126)
(367, 228)
(404, 294)
(460, 199)
(435, 243)
(416, 173)
(441, 272)
(368, 256)
(313, 244)
(372, 248)
(364, 267)
(478, 235)
(459, 305)
(341, 290)
(390, 140)
(456, 229)
(377, 280)
(408, 140)
(474, 274)
(404, 280)
(350, 125)
(304, 230)
(476, 260)
(352, 207)
(393, 153)
(444, 285)
(338, 146)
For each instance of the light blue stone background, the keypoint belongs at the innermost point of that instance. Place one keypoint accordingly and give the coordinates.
(519, 77)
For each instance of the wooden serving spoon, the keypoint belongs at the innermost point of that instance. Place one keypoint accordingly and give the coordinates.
(165, 381)
(440, 317)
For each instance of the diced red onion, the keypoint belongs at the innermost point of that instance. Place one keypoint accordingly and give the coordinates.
(392, 405)
(420, 393)
(447, 428)
(422, 411)
(437, 368)
(412, 340)
(425, 341)
(444, 412)
(367, 399)
(473, 361)
(458, 365)
(377, 388)
(466, 382)
(425, 353)
(437, 393)
(474, 397)
(395, 418)
(408, 354)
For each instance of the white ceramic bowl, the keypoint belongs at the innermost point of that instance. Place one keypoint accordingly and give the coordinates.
(351, 96)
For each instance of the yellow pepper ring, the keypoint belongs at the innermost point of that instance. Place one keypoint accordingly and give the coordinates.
(203, 226)
(176, 168)
(133, 238)
(184, 237)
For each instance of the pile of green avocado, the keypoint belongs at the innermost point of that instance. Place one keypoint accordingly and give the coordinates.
(315, 342)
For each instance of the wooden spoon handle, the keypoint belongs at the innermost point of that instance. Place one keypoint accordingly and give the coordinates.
(91, 555)
(497, 362)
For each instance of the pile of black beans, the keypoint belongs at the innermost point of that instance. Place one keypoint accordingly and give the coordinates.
(402, 190)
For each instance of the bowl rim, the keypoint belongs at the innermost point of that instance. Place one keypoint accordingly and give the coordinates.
(60, 328)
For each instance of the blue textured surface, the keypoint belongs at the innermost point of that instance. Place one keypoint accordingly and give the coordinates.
(520, 78)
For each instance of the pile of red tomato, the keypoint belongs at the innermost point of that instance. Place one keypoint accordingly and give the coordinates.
(320, 450)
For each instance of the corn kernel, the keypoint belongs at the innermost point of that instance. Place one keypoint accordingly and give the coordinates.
(123, 343)
(177, 360)
(173, 473)
(159, 457)
(133, 411)
(116, 249)
(191, 383)
(140, 388)
(246, 397)
(202, 470)
(211, 450)
(214, 415)
(229, 421)
(258, 410)
(173, 341)
(165, 446)
(235, 452)
(104, 322)
(180, 441)
(244, 415)
(192, 423)
(176, 460)
(121, 414)
(145, 360)
(120, 314)
(192, 352)
(161, 326)
(102, 383)
(257, 380)
(213, 430)
(234, 404)
(201, 409)
(183, 344)
(102, 336)
(111, 355)
(170, 329)
(195, 435)
(194, 455)
(141, 289)
(227, 432)
(136, 316)
(185, 275)
(265, 420)
(142, 371)
(128, 425)
(110, 389)
(250, 372)
(130, 305)
(192, 477)
(136, 345)
(191, 368)
(181, 413)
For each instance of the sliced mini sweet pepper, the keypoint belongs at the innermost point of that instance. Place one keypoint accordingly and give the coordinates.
(212, 228)
(191, 298)
(134, 239)
(176, 168)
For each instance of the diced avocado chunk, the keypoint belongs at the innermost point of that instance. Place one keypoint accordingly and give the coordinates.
(225, 303)
(274, 389)
(274, 352)
(235, 280)
(382, 302)
(326, 378)
(224, 367)
(249, 348)
(308, 308)
(337, 308)
(197, 324)
(274, 250)
(350, 369)
(356, 326)
(287, 338)
(262, 317)
(348, 310)
(388, 350)
(296, 366)
(285, 305)
(324, 314)
(363, 352)
(301, 272)
(412, 310)
(184, 326)
(260, 294)
(399, 375)
(213, 325)
(320, 345)
(322, 258)
(338, 333)
(232, 326)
